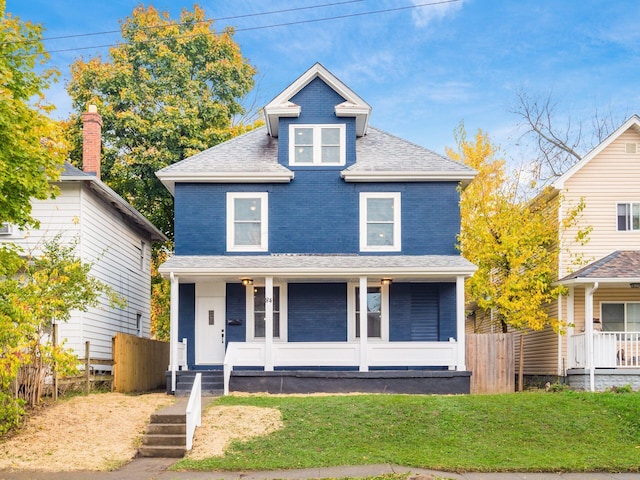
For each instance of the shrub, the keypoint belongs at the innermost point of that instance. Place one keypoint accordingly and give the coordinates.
(11, 412)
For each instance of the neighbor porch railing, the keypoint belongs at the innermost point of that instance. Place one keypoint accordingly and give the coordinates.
(610, 350)
(194, 410)
(343, 354)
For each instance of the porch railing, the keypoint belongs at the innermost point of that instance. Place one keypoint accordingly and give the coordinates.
(343, 354)
(194, 410)
(610, 350)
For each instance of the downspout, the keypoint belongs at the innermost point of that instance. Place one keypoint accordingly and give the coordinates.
(588, 329)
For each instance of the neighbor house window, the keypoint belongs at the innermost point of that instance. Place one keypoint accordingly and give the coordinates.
(6, 228)
(620, 317)
(313, 145)
(376, 311)
(628, 216)
(247, 222)
(380, 222)
(257, 309)
(631, 147)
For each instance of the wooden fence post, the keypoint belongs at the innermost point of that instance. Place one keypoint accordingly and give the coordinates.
(87, 365)
(55, 364)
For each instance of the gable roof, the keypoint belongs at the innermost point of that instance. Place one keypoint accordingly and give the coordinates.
(621, 266)
(632, 122)
(248, 158)
(112, 200)
(381, 156)
(353, 106)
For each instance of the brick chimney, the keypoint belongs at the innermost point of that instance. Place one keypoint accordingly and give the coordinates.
(91, 141)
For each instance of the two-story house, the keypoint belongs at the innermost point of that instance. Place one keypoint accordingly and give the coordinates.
(601, 345)
(285, 237)
(109, 233)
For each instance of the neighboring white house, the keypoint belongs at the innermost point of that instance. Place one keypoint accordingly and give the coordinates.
(110, 233)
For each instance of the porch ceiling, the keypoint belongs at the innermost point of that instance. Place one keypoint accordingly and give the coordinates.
(319, 267)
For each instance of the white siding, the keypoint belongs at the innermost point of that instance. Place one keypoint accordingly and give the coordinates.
(114, 247)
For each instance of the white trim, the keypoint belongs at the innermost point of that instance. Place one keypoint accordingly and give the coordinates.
(460, 329)
(264, 222)
(404, 176)
(170, 179)
(397, 220)
(250, 316)
(280, 106)
(317, 145)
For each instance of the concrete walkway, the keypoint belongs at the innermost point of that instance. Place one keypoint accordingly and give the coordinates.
(157, 469)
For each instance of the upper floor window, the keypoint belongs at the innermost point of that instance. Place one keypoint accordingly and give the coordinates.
(380, 222)
(628, 216)
(247, 222)
(6, 228)
(313, 145)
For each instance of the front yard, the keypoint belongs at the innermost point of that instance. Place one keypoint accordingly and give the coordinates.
(534, 431)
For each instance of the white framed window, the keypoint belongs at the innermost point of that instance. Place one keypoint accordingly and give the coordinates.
(315, 145)
(380, 229)
(628, 216)
(256, 309)
(377, 312)
(620, 316)
(6, 228)
(247, 222)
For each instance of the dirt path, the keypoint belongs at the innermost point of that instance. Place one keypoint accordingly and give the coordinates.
(102, 432)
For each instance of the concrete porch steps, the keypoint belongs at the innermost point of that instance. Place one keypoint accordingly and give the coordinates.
(212, 382)
(166, 434)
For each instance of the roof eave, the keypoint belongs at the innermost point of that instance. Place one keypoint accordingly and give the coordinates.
(390, 176)
(169, 180)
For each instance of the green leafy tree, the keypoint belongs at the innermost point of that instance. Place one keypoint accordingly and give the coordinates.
(170, 90)
(31, 150)
(35, 293)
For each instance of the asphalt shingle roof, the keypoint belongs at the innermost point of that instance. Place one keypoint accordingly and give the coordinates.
(257, 152)
(619, 264)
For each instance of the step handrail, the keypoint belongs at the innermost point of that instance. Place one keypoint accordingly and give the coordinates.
(194, 409)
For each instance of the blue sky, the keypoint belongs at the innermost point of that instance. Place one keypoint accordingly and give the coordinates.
(423, 69)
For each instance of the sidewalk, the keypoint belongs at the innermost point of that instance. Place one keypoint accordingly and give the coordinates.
(156, 469)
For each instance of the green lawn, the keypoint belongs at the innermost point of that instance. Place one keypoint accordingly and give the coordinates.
(566, 431)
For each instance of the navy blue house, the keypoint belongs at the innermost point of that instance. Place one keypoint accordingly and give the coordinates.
(285, 234)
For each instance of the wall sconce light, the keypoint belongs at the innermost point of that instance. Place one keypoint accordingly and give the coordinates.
(247, 281)
(386, 281)
(634, 285)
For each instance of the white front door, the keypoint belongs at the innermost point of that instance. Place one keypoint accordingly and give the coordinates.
(210, 330)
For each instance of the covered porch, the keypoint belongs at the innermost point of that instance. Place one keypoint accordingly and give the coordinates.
(412, 333)
(603, 314)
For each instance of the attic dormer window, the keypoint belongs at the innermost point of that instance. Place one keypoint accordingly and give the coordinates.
(315, 145)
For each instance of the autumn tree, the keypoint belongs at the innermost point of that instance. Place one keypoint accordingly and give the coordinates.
(31, 150)
(171, 89)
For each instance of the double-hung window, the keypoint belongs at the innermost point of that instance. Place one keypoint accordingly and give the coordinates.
(621, 317)
(628, 216)
(317, 145)
(380, 228)
(257, 308)
(247, 222)
(376, 311)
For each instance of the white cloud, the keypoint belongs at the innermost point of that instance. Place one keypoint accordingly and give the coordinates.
(429, 11)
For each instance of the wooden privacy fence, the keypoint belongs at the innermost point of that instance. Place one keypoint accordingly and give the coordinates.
(139, 363)
(491, 359)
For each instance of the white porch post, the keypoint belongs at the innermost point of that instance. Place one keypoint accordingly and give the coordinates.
(559, 371)
(364, 334)
(173, 329)
(588, 331)
(268, 324)
(460, 317)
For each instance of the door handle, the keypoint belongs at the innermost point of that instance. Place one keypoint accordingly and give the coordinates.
(222, 335)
